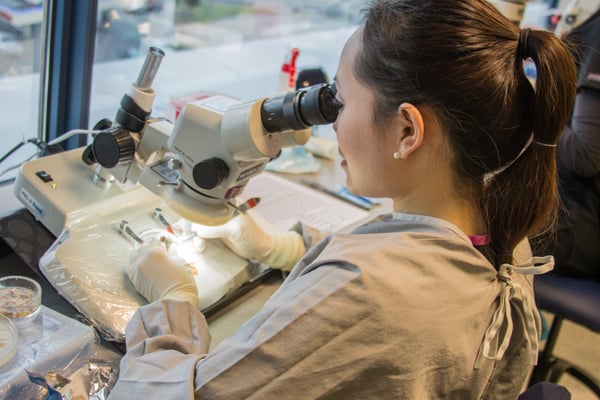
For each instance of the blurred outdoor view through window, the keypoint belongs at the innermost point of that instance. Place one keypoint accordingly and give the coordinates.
(227, 46)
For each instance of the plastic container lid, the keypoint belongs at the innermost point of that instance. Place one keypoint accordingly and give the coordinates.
(8, 340)
(20, 298)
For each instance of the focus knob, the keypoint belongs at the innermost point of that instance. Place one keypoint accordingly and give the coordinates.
(113, 147)
(209, 173)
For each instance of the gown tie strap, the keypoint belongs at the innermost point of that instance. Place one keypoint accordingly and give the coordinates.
(498, 334)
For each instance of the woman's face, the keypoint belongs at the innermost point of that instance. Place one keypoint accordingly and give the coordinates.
(366, 150)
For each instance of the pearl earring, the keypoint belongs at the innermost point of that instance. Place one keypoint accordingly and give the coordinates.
(396, 155)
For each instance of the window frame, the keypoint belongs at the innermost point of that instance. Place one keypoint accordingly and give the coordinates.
(68, 37)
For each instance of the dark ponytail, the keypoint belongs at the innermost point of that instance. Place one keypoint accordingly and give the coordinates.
(523, 199)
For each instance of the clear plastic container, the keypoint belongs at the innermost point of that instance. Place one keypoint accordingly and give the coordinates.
(20, 298)
(8, 340)
(50, 342)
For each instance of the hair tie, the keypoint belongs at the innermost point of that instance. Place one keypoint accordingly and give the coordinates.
(544, 144)
(523, 49)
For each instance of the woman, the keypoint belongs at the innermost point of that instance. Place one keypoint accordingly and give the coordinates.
(437, 114)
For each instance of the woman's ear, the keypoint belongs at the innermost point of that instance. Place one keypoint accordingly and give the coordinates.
(410, 130)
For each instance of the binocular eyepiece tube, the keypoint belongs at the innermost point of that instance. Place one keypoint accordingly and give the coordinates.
(301, 109)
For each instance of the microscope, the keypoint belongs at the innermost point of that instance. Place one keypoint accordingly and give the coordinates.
(203, 161)
(141, 176)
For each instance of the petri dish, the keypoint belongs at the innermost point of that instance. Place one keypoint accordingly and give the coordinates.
(8, 340)
(20, 298)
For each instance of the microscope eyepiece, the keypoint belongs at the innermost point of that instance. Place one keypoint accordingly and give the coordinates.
(314, 105)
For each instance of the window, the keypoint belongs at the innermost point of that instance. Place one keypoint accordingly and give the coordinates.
(20, 43)
(235, 47)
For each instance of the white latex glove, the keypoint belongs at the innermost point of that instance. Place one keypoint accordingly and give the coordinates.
(248, 239)
(157, 275)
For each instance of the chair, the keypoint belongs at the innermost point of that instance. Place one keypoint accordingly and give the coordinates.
(546, 391)
(573, 299)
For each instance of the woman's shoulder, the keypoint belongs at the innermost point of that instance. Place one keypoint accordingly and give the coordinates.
(425, 244)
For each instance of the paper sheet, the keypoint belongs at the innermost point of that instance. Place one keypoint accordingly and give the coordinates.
(283, 203)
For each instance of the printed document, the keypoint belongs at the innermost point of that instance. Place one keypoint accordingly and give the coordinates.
(283, 203)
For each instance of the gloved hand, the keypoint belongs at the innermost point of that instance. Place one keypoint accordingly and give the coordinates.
(157, 275)
(245, 237)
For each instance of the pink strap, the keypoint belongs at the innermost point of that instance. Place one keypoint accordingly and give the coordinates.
(479, 240)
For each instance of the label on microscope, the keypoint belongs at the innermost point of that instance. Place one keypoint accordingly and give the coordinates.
(33, 204)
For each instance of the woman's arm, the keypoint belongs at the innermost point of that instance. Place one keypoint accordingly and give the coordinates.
(167, 342)
(165, 339)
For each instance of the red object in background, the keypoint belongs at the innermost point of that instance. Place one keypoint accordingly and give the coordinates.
(554, 19)
(290, 68)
